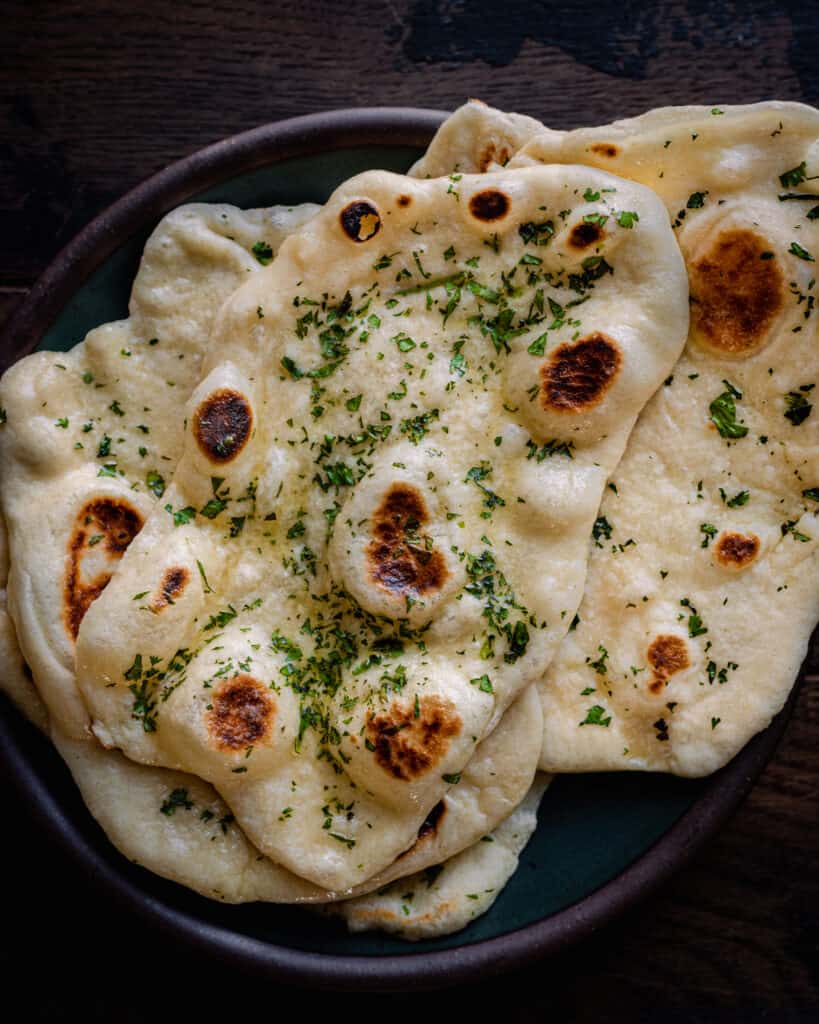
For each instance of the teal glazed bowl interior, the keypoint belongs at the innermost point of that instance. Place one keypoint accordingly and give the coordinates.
(603, 840)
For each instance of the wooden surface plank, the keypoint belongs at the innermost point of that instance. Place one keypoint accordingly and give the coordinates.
(96, 96)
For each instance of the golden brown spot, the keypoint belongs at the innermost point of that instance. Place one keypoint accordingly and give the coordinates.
(585, 234)
(490, 155)
(360, 221)
(578, 375)
(404, 200)
(605, 149)
(174, 581)
(429, 827)
(667, 654)
(401, 558)
(408, 739)
(242, 713)
(104, 526)
(736, 550)
(735, 293)
(489, 205)
(222, 424)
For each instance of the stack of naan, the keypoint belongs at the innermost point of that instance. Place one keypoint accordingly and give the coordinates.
(367, 513)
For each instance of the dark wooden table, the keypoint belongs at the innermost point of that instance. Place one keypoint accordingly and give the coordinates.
(95, 97)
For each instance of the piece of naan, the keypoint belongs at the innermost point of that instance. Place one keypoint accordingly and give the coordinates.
(122, 795)
(447, 897)
(382, 510)
(474, 139)
(706, 163)
(15, 681)
(90, 437)
(176, 825)
(702, 587)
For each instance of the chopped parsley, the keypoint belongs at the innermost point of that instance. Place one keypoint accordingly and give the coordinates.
(155, 482)
(798, 407)
(803, 254)
(709, 531)
(176, 798)
(181, 516)
(596, 715)
(723, 412)
(263, 253)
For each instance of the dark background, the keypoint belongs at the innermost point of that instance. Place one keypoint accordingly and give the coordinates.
(94, 97)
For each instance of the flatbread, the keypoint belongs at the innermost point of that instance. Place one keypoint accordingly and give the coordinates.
(177, 826)
(90, 437)
(15, 680)
(446, 898)
(702, 592)
(475, 139)
(296, 514)
(122, 795)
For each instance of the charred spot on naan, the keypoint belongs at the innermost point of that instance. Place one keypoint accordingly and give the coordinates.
(241, 714)
(360, 220)
(489, 205)
(666, 654)
(607, 149)
(429, 828)
(173, 583)
(222, 424)
(410, 739)
(737, 290)
(493, 154)
(104, 526)
(736, 550)
(404, 200)
(585, 234)
(401, 559)
(578, 374)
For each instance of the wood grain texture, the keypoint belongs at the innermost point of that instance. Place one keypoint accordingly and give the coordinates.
(94, 97)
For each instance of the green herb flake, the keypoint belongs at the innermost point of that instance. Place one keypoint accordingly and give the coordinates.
(483, 683)
(795, 176)
(596, 715)
(176, 798)
(709, 532)
(263, 253)
(798, 407)
(803, 254)
(723, 412)
(155, 482)
(182, 515)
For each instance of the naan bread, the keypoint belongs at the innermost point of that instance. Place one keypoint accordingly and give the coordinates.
(90, 437)
(702, 586)
(447, 897)
(14, 678)
(475, 139)
(122, 795)
(375, 537)
(176, 825)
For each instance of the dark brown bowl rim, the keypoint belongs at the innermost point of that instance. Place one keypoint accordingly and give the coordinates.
(135, 211)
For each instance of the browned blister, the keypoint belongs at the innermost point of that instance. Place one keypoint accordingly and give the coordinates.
(401, 559)
(737, 290)
(103, 525)
(410, 739)
(242, 713)
(666, 654)
(222, 424)
(577, 375)
(736, 550)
